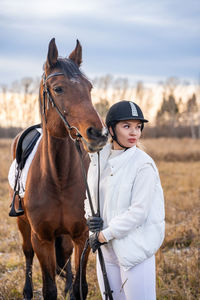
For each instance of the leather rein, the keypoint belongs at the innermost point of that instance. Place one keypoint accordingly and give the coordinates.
(76, 140)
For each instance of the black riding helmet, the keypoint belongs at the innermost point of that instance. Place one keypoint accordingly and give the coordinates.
(123, 110)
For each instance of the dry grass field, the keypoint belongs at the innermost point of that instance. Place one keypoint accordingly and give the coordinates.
(178, 261)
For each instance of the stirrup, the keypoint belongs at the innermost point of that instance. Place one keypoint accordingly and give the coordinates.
(13, 212)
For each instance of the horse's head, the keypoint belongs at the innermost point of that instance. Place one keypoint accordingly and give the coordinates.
(66, 100)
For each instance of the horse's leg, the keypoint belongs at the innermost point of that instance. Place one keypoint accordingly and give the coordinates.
(45, 251)
(79, 246)
(25, 230)
(64, 248)
(69, 280)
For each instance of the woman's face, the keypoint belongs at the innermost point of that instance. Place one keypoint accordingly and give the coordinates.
(128, 133)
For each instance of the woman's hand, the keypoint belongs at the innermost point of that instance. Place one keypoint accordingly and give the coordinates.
(95, 223)
(101, 238)
(95, 242)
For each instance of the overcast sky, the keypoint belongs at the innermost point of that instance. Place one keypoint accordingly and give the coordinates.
(147, 40)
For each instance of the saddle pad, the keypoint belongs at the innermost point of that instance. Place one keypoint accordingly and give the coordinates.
(13, 169)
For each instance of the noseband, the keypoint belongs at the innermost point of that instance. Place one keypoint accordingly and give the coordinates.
(51, 100)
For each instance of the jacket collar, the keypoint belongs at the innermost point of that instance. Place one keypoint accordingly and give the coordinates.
(122, 159)
(116, 162)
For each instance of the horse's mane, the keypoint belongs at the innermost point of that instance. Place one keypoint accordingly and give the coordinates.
(69, 67)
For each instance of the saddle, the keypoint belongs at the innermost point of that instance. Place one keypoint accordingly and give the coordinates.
(25, 145)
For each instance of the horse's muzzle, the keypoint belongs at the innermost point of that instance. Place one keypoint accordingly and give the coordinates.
(97, 138)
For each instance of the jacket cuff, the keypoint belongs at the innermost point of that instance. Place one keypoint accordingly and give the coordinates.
(107, 234)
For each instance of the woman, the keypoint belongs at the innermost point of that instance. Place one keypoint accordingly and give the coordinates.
(131, 227)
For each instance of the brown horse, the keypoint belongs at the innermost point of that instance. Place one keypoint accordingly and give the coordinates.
(53, 222)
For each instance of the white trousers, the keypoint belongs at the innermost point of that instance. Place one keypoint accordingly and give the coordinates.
(137, 283)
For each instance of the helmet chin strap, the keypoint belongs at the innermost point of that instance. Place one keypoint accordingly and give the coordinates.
(114, 137)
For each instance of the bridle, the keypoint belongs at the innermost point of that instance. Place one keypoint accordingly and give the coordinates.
(51, 101)
(108, 292)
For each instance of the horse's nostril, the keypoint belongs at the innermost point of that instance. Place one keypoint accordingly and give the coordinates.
(89, 131)
(93, 133)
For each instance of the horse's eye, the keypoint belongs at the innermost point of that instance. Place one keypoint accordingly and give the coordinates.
(58, 90)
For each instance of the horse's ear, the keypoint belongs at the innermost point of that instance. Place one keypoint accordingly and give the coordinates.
(52, 55)
(76, 54)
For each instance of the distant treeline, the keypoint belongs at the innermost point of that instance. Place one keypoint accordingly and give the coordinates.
(149, 132)
(9, 132)
(172, 108)
(168, 132)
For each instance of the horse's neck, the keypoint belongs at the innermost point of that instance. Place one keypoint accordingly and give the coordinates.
(58, 156)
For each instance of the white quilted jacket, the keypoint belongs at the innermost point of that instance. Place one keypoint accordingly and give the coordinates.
(133, 204)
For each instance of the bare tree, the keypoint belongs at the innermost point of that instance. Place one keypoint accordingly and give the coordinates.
(198, 103)
(103, 84)
(120, 88)
(192, 110)
(140, 91)
(109, 90)
(168, 113)
(102, 107)
(26, 84)
(170, 85)
(4, 104)
(19, 103)
(15, 87)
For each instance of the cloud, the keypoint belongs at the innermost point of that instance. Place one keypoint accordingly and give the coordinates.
(16, 68)
(118, 36)
(46, 9)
